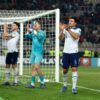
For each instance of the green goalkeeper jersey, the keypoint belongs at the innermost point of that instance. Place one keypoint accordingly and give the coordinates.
(37, 41)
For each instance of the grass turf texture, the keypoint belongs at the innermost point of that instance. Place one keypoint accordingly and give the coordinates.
(88, 77)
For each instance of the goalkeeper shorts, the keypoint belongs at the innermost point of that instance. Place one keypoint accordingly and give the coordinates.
(36, 58)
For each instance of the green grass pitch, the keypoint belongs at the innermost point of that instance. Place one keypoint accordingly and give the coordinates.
(89, 82)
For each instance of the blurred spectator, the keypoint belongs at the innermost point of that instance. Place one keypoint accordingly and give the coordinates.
(87, 12)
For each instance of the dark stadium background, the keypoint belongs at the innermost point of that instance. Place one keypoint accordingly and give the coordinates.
(87, 11)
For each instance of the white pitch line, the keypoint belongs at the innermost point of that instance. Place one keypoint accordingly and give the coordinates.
(88, 88)
(82, 87)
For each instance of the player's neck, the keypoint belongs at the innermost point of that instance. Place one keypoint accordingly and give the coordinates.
(74, 27)
(38, 29)
(15, 30)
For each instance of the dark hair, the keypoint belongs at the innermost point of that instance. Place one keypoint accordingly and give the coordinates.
(64, 21)
(17, 24)
(34, 22)
(39, 22)
(75, 18)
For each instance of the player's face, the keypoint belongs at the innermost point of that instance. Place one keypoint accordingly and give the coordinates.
(36, 26)
(14, 27)
(72, 22)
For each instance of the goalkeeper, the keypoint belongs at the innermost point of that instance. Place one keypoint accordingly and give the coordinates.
(38, 37)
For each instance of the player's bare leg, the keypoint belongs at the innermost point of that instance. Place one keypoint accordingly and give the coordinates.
(38, 69)
(32, 85)
(33, 75)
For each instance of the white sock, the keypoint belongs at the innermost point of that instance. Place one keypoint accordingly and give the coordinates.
(74, 79)
(65, 79)
(16, 74)
(7, 74)
(32, 84)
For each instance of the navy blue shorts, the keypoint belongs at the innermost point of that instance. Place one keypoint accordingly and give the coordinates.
(70, 60)
(11, 58)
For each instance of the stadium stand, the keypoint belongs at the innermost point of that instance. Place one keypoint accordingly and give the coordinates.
(87, 11)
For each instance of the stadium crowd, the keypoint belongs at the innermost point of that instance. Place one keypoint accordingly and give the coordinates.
(87, 11)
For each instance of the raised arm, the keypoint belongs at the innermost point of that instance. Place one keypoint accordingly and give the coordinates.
(41, 35)
(6, 35)
(75, 35)
(28, 34)
(62, 27)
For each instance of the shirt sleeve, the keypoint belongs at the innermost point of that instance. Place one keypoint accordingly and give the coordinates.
(28, 35)
(64, 31)
(41, 35)
(78, 31)
(16, 36)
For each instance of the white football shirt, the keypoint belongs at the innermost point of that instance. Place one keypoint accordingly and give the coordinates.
(71, 45)
(12, 42)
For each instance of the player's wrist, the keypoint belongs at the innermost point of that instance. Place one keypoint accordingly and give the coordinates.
(68, 28)
(35, 32)
(61, 32)
(29, 31)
